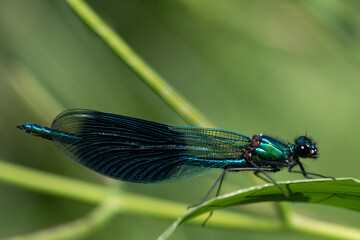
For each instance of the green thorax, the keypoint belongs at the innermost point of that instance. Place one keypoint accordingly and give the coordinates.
(271, 149)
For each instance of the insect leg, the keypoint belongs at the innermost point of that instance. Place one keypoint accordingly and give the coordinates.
(256, 169)
(221, 178)
(270, 178)
(261, 177)
(217, 194)
(305, 173)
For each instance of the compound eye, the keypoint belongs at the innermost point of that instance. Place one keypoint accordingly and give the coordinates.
(304, 151)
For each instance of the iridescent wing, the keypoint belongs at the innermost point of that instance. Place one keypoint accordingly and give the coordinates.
(140, 151)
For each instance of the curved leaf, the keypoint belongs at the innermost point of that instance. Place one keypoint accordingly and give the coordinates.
(344, 192)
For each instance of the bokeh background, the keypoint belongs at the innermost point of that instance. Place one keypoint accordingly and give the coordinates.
(280, 67)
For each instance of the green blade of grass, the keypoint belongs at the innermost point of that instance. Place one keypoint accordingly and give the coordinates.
(344, 193)
(145, 73)
(79, 228)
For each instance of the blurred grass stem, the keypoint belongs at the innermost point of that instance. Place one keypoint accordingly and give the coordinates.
(146, 74)
(79, 228)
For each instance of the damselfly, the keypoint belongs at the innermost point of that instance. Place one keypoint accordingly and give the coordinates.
(141, 151)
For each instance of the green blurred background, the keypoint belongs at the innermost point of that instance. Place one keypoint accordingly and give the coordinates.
(278, 67)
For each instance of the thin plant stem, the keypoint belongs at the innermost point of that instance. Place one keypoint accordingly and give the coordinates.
(145, 73)
(79, 228)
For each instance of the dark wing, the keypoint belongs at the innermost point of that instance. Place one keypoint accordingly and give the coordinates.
(140, 151)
